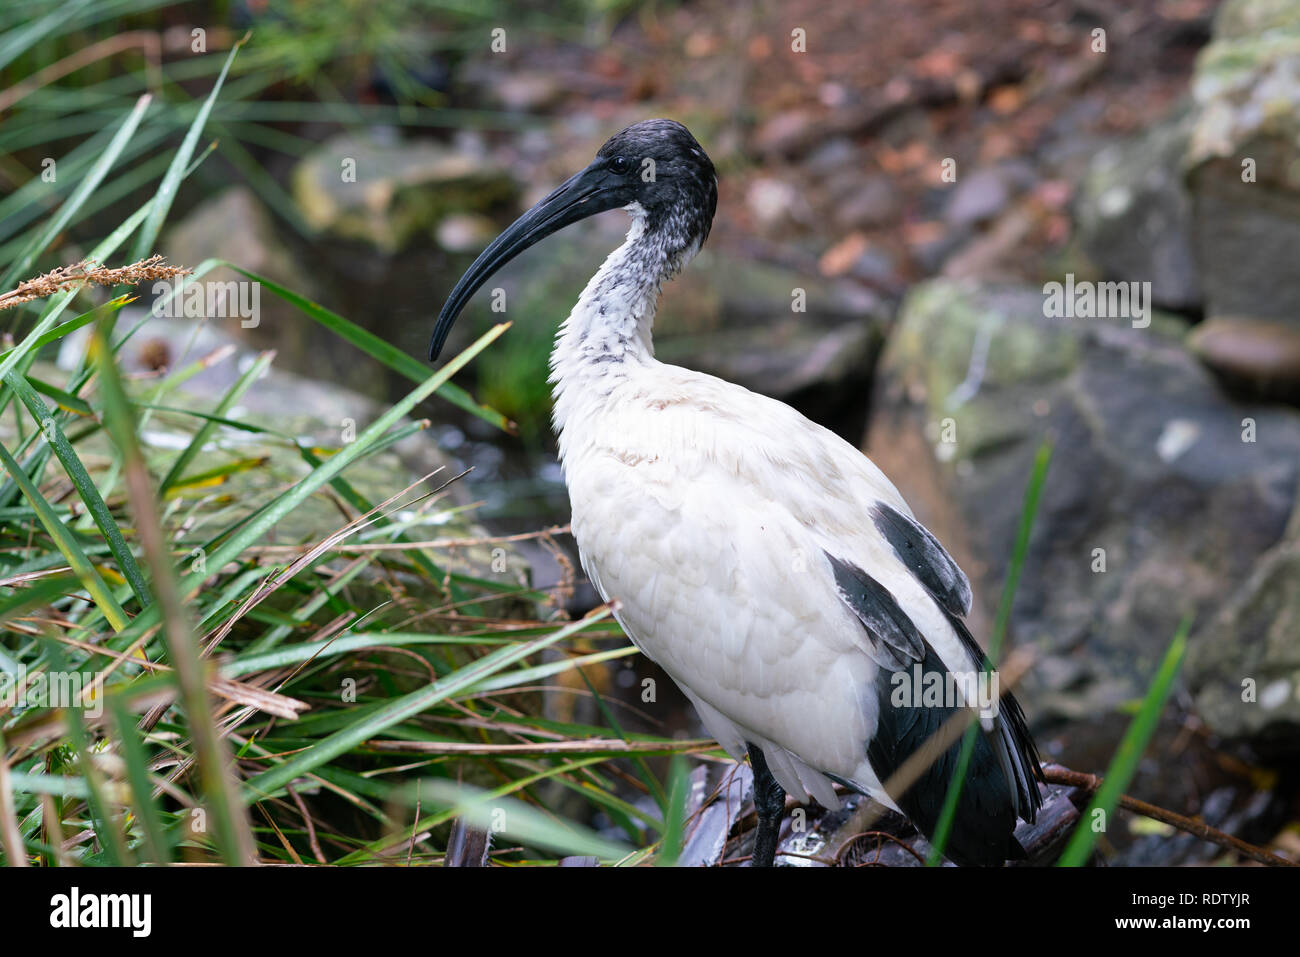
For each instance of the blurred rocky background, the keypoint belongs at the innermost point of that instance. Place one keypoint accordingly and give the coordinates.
(920, 170)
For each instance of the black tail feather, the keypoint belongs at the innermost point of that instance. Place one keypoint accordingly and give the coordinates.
(981, 833)
(1014, 729)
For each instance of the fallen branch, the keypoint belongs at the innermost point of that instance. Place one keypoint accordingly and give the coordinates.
(1055, 774)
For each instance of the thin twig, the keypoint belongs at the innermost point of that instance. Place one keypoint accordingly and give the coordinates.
(582, 746)
(848, 843)
(407, 546)
(1055, 774)
(307, 822)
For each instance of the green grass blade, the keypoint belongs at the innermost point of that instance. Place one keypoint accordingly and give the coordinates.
(377, 348)
(642, 767)
(102, 821)
(204, 431)
(162, 202)
(55, 784)
(247, 663)
(106, 828)
(67, 544)
(84, 189)
(528, 676)
(84, 485)
(65, 400)
(948, 813)
(14, 43)
(409, 705)
(233, 836)
(72, 325)
(376, 848)
(214, 476)
(1125, 762)
(675, 815)
(214, 419)
(156, 848)
(520, 821)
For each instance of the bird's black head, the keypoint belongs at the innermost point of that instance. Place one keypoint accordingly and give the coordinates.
(668, 174)
(655, 168)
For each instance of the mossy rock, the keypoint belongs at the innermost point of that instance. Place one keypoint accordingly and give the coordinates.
(389, 194)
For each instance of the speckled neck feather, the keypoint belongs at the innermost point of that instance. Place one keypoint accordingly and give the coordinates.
(608, 333)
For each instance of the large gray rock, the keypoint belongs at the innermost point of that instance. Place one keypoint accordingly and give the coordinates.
(1206, 205)
(1135, 217)
(389, 193)
(235, 226)
(736, 318)
(1246, 675)
(1243, 161)
(1149, 465)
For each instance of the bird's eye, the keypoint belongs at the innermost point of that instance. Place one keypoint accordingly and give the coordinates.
(620, 164)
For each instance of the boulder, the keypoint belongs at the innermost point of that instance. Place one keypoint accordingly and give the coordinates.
(1251, 355)
(1206, 205)
(388, 194)
(1242, 161)
(236, 227)
(773, 330)
(1246, 675)
(1134, 215)
(1243, 171)
(1162, 498)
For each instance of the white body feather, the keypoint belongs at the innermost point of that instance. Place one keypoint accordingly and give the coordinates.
(706, 512)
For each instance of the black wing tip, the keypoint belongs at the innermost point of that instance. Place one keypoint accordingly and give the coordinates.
(925, 557)
(1014, 728)
(1022, 746)
(895, 635)
(891, 630)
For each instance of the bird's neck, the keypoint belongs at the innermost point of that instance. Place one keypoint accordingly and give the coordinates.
(607, 336)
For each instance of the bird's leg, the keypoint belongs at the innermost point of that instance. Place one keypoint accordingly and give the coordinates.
(769, 803)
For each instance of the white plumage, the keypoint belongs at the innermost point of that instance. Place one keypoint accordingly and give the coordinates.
(705, 511)
(765, 564)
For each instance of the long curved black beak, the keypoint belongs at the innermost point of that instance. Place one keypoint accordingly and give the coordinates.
(592, 191)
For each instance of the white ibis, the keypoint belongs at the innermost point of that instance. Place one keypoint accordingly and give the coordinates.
(763, 562)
